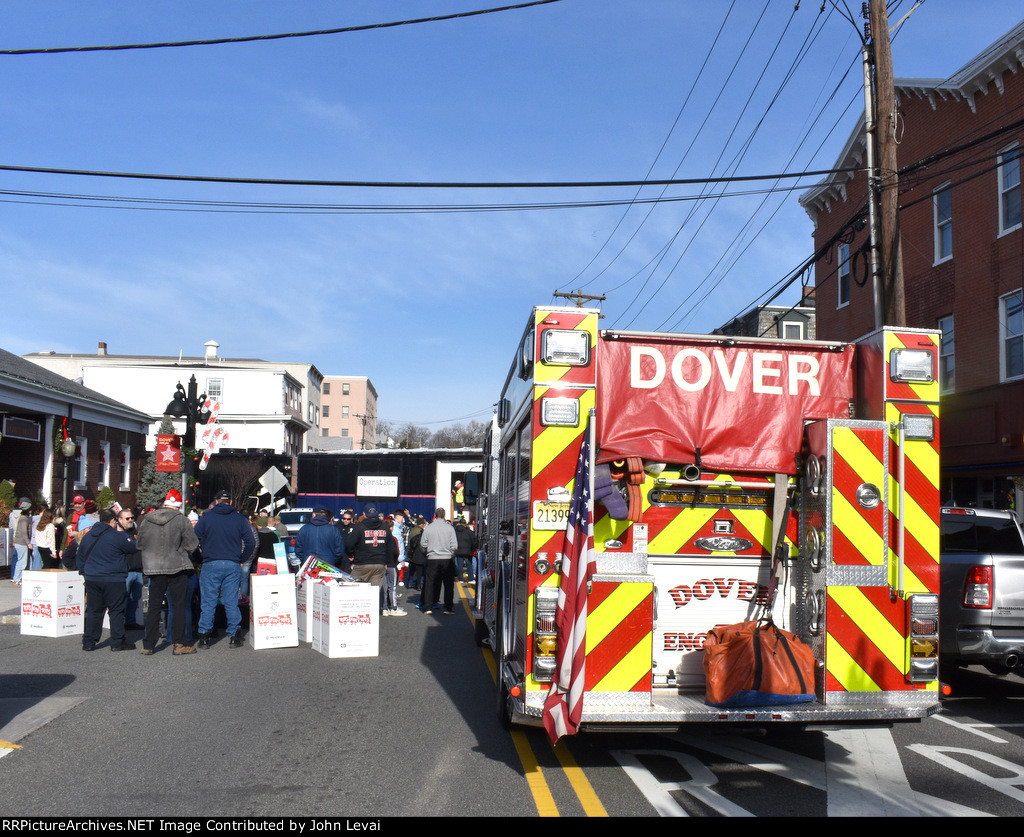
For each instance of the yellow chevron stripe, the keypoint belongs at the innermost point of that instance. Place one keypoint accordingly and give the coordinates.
(603, 619)
(845, 669)
(861, 535)
(549, 442)
(682, 528)
(757, 523)
(628, 671)
(921, 453)
(856, 605)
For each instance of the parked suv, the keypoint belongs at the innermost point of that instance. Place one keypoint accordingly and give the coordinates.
(293, 520)
(981, 620)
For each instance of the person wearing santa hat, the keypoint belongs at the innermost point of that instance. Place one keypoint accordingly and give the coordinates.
(166, 541)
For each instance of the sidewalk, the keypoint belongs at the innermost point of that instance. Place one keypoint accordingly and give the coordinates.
(10, 599)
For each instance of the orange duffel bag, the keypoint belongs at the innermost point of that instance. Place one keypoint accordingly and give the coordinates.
(756, 664)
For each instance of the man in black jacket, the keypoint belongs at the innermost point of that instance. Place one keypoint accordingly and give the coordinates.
(372, 548)
(105, 555)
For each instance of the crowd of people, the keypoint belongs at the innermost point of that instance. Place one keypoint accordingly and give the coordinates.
(193, 563)
(398, 553)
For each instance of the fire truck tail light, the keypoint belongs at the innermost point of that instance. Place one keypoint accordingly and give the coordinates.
(911, 366)
(545, 633)
(571, 348)
(919, 427)
(560, 412)
(924, 638)
(978, 587)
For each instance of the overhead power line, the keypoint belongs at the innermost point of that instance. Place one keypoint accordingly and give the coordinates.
(278, 37)
(412, 184)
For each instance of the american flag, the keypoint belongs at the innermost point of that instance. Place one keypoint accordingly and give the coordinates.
(564, 704)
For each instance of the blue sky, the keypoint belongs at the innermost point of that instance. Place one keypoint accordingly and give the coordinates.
(429, 304)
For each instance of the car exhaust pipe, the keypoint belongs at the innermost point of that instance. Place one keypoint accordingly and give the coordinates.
(1012, 660)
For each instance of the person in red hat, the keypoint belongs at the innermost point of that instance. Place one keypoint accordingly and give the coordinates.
(77, 504)
(167, 540)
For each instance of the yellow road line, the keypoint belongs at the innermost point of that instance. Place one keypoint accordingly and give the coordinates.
(542, 796)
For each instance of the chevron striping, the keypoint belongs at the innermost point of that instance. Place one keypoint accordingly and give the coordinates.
(888, 639)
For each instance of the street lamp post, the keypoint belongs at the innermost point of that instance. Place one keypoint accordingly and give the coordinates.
(189, 406)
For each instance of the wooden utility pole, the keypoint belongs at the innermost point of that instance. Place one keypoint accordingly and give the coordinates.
(890, 304)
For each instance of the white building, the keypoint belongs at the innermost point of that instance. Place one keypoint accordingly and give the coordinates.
(263, 405)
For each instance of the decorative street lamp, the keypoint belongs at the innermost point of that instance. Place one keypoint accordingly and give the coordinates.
(189, 406)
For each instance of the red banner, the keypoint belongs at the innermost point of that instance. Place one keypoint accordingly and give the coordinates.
(168, 453)
(736, 408)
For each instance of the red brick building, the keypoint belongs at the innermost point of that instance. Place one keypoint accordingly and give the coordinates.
(37, 409)
(962, 246)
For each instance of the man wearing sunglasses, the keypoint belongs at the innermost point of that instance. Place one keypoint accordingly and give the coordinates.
(105, 556)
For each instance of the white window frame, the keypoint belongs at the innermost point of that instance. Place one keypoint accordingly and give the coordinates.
(1011, 333)
(787, 324)
(82, 462)
(344, 411)
(943, 225)
(1010, 154)
(843, 276)
(125, 470)
(215, 394)
(345, 389)
(947, 354)
(104, 464)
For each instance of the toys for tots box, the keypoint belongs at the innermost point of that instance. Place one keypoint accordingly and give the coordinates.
(304, 609)
(346, 620)
(52, 603)
(272, 617)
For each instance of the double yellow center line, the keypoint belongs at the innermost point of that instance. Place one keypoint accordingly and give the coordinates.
(542, 796)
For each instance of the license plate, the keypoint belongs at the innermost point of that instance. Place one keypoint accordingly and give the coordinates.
(550, 515)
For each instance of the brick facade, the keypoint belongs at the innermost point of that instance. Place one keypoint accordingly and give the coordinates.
(972, 113)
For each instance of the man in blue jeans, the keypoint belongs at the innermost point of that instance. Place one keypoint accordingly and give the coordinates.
(225, 541)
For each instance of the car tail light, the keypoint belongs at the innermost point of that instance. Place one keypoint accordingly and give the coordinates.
(978, 587)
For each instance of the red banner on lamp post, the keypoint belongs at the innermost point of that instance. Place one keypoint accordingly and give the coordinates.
(168, 453)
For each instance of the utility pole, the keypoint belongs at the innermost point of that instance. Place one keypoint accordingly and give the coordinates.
(883, 186)
(579, 297)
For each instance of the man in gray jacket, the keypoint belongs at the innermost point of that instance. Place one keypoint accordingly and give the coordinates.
(166, 541)
(440, 544)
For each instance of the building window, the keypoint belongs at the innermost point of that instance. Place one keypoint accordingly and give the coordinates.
(1009, 189)
(792, 330)
(344, 431)
(323, 431)
(215, 389)
(78, 469)
(345, 389)
(843, 275)
(126, 466)
(327, 410)
(344, 412)
(327, 388)
(942, 208)
(1011, 336)
(104, 464)
(947, 366)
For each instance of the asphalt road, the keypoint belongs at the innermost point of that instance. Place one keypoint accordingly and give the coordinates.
(277, 732)
(413, 732)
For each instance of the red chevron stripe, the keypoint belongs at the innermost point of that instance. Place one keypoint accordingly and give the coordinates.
(620, 641)
(844, 630)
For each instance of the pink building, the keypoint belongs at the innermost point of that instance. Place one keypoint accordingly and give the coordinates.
(348, 413)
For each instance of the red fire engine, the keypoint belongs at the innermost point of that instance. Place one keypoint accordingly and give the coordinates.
(712, 455)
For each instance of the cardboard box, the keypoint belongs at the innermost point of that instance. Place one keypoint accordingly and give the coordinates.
(304, 609)
(52, 603)
(346, 620)
(272, 617)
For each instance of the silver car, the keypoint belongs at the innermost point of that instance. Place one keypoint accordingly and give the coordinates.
(981, 619)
